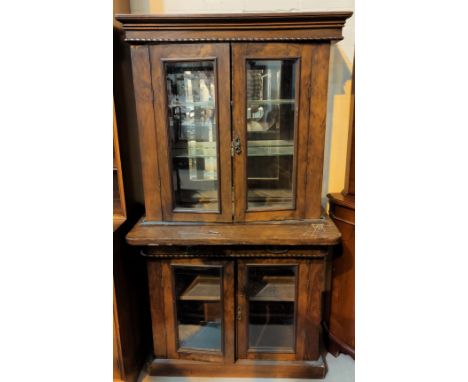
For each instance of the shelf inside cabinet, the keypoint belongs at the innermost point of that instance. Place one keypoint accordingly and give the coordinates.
(267, 148)
(258, 148)
(275, 288)
(194, 149)
(203, 288)
(261, 102)
(204, 104)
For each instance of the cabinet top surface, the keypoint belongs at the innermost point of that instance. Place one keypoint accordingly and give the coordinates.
(227, 18)
(139, 28)
(309, 232)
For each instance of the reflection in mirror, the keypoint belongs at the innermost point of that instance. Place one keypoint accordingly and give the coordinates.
(199, 309)
(191, 102)
(271, 119)
(271, 294)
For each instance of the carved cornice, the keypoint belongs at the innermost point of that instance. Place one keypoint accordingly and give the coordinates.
(230, 254)
(234, 20)
(293, 26)
(235, 39)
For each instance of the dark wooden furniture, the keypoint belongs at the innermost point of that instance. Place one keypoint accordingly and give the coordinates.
(130, 326)
(131, 316)
(340, 333)
(231, 116)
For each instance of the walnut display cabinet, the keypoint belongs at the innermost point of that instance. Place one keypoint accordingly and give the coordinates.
(231, 116)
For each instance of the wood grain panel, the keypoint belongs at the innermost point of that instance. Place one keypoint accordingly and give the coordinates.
(147, 131)
(241, 368)
(157, 308)
(317, 125)
(313, 314)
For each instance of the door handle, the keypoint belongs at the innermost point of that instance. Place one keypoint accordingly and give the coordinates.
(236, 146)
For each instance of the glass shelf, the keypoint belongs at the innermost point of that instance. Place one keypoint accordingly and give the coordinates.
(203, 104)
(262, 102)
(269, 148)
(264, 148)
(194, 149)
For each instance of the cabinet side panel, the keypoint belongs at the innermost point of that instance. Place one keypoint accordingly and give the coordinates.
(314, 309)
(127, 126)
(157, 309)
(147, 131)
(317, 124)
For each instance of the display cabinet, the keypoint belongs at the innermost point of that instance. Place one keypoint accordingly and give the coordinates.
(231, 116)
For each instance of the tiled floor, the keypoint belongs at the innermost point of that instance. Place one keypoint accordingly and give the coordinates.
(340, 369)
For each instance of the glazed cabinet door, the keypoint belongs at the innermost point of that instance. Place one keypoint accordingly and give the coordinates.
(270, 84)
(272, 309)
(193, 128)
(198, 310)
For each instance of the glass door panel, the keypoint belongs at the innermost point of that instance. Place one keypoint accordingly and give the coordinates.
(199, 308)
(271, 120)
(270, 129)
(193, 130)
(271, 294)
(191, 102)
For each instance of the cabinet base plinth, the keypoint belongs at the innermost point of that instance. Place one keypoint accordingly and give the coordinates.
(241, 368)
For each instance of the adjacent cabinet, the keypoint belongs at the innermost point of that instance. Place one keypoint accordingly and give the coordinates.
(231, 116)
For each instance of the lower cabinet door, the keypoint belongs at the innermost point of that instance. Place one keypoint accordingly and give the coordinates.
(271, 305)
(199, 309)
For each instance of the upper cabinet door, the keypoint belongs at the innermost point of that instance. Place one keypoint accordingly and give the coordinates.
(270, 85)
(193, 125)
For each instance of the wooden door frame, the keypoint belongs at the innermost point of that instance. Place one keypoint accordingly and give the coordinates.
(219, 54)
(301, 300)
(227, 300)
(241, 52)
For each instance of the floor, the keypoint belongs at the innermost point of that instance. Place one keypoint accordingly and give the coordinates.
(340, 369)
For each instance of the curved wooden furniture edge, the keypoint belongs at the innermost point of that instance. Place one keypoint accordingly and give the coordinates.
(333, 342)
(342, 200)
(342, 347)
(118, 221)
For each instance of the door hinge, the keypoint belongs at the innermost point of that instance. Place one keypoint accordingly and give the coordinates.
(239, 313)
